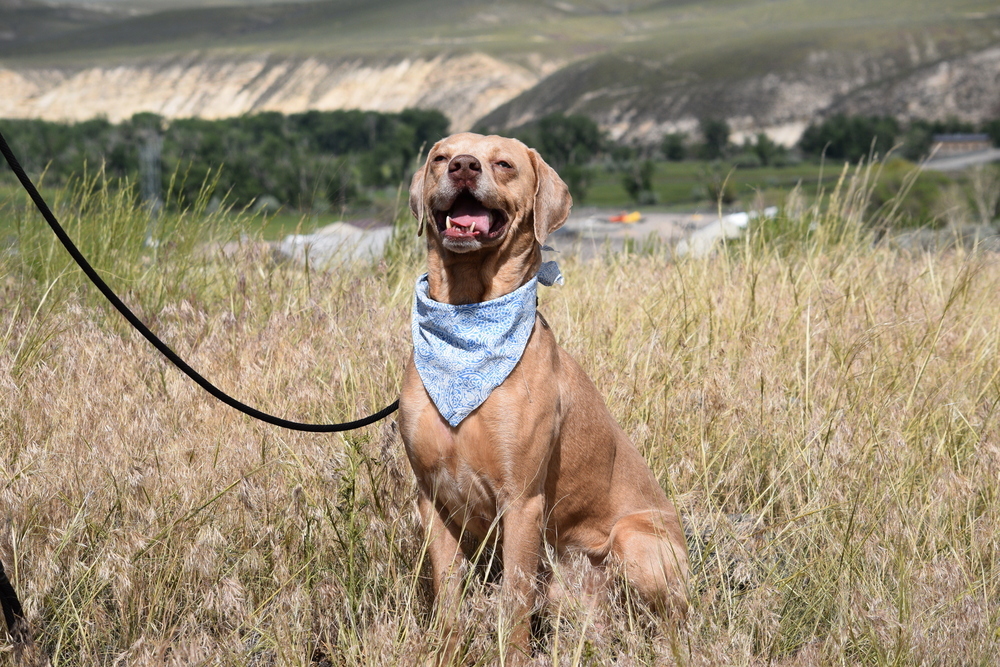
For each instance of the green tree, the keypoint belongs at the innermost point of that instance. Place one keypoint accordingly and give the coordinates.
(768, 151)
(578, 179)
(715, 134)
(992, 128)
(917, 141)
(673, 147)
(428, 126)
(568, 144)
(919, 136)
(637, 179)
(850, 137)
(564, 140)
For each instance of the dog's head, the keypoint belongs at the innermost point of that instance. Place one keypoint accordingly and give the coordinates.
(477, 192)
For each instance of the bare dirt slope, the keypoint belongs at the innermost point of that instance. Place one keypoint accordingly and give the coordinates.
(216, 86)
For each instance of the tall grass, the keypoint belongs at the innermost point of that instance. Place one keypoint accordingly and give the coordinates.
(822, 409)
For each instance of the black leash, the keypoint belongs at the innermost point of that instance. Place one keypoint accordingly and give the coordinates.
(12, 612)
(152, 338)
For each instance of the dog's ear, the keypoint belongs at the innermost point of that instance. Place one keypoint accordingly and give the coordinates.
(417, 198)
(552, 199)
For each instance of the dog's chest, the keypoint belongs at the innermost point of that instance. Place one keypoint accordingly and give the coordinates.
(457, 470)
(478, 467)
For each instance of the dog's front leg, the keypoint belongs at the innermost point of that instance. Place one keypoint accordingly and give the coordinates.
(522, 522)
(447, 572)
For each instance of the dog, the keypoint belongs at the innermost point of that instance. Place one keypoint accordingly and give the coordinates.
(540, 461)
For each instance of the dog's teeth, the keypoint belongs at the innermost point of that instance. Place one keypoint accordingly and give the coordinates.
(448, 223)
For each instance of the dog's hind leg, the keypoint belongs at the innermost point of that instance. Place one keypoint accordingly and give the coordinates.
(651, 549)
(448, 565)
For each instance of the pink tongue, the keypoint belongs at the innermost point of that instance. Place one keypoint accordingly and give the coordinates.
(471, 215)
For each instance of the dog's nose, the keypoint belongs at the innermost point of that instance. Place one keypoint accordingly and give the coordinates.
(464, 169)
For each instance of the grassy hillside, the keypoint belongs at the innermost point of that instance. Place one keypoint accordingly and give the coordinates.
(656, 33)
(332, 28)
(23, 22)
(729, 59)
(140, 6)
(824, 413)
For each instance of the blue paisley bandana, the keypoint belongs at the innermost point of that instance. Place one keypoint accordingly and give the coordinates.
(463, 353)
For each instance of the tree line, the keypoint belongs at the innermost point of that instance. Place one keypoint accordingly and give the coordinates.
(316, 158)
(840, 137)
(338, 158)
(855, 137)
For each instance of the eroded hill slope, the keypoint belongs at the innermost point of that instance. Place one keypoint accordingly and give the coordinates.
(641, 68)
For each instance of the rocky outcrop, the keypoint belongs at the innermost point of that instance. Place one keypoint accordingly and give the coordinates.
(640, 100)
(966, 88)
(463, 87)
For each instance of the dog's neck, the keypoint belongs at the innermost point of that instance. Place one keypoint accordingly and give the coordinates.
(482, 275)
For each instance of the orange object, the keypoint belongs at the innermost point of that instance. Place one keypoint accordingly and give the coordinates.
(627, 218)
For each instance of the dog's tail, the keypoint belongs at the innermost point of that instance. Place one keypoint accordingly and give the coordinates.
(13, 614)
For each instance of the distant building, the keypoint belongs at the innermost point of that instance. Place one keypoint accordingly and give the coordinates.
(944, 145)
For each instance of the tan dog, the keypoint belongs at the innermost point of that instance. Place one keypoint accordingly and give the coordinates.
(542, 460)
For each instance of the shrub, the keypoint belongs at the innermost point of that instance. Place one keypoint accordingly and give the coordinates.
(563, 140)
(637, 179)
(747, 160)
(715, 134)
(917, 142)
(850, 137)
(907, 197)
(568, 144)
(769, 152)
(919, 135)
(984, 192)
(673, 147)
(719, 187)
(992, 128)
(578, 179)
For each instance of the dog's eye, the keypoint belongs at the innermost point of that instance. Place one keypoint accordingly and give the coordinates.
(505, 164)
(440, 158)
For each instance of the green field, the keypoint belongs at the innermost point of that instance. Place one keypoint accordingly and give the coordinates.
(682, 185)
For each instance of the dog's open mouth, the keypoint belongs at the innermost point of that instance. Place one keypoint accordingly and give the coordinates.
(469, 219)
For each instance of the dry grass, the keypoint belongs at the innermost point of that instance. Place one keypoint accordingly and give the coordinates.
(823, 412)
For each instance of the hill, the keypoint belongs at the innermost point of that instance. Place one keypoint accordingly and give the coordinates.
(640, 68)
(25, 21)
